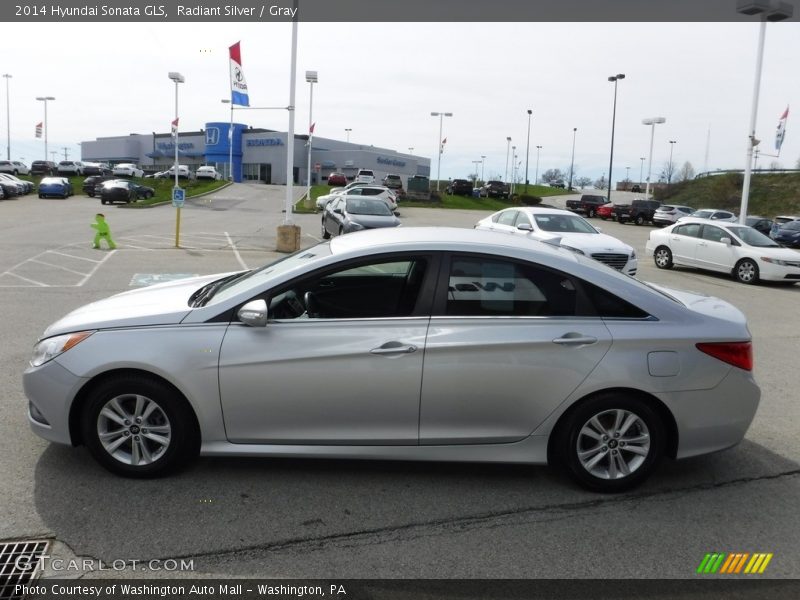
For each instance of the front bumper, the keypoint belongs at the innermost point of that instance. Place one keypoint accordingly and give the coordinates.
(51, 389)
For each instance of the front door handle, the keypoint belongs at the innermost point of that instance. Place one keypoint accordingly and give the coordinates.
(575, 339)
(394, 348)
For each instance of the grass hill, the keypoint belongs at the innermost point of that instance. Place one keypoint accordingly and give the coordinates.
(770, 194)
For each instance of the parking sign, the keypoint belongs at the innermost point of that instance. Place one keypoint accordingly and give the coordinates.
(178, 197)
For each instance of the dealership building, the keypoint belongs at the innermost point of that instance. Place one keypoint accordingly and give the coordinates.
(257, 154)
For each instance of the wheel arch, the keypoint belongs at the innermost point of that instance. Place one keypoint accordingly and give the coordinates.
(82, 397)
(666, 416)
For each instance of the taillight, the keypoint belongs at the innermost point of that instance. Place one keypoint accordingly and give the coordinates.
(738, 354)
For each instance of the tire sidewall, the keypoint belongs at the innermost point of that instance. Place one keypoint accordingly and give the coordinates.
(568, 437)
(184, 443)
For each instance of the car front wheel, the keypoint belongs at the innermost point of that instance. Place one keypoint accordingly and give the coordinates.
(591, 214)
(612, 442)
(746, 271)
(639, 220)
(325, 234)
(137, 426)
(663, 257)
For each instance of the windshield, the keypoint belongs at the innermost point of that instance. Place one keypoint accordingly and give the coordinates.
(259, 277)
(702, 214)
(751, 237)
(368, 207)
(563, 224)
(792, 225)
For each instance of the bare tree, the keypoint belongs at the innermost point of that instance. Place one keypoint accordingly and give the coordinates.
(668, 171)
(774, 165)
(686, 172)
(583, 181)
(552, 175)
(601, 183)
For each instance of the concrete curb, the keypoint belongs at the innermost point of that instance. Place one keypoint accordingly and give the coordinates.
(169, 202)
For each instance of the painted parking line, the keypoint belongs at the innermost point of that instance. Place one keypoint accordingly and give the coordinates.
(43, 270)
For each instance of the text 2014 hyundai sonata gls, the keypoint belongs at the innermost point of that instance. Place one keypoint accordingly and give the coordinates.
(409, 343)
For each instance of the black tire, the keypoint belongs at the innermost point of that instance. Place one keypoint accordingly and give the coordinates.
(663, 257)
(612, 411)
(41, 196)
(325, 234)
(16, 172)
(102, 201)
(90, 194)
(591, 214)
(172, 412)
(746, 271)
(639, 220)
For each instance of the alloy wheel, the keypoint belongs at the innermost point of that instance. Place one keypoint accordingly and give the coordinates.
(134, 429)
(613, 444)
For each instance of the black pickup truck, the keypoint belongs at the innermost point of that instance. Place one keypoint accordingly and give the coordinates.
(638, 211)
(587, 204)
(460, 187)
(495, 189)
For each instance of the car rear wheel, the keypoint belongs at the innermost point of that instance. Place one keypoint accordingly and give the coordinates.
(639, 220)
(612, 442)
(591, 214)
(663, 257)
(136, 426)
(746, 271)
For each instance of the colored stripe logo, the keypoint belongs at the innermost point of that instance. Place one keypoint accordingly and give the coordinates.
(734, 563)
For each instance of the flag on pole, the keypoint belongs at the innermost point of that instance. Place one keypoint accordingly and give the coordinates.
(238, 83)
(39, 130)
(311, 129)
(175, 127)
(781, 132)
(441, 146)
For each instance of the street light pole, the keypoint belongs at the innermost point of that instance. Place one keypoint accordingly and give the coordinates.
(572, 162)
(411, 149)
(441, 116)
(45, 99)
(483, 159)
(670, 167)
(8, 118)
(768, 12)
(527, 149)
(641, 169)
(615, 79)
(311, 78)
(536, 176)
(652, 122)
(513, 168)
(347, 131)
(508, 148)
(230, 141)
(178, 79)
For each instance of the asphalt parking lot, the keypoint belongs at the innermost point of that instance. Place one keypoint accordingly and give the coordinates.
(306, 518)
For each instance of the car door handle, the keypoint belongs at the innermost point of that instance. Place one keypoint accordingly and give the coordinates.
(575, 339)
(394, 348)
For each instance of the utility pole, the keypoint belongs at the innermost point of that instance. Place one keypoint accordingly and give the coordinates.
(66, 152)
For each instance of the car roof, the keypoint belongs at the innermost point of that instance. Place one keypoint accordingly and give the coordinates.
(685, 220)
(542, 210)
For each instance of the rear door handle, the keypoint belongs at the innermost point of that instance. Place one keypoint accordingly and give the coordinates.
(394, 348)
(575, 340)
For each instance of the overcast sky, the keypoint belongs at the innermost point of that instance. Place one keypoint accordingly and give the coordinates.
(384, 79)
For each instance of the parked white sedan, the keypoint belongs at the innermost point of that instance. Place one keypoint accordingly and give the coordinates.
(568, 230)
(375, 191)
(208, 173)
(725, 247)
(127, 170)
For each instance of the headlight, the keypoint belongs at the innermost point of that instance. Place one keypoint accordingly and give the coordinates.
(774, 261)
(633, 253)
(51, 347)
(355, 226)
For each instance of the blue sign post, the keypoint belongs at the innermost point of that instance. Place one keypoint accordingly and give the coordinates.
(178, 197)
(178, 200)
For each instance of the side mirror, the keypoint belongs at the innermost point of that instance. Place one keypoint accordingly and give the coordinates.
(726, 241)
(525, 227)
(254, 313)
(338, 211)
(599, 229)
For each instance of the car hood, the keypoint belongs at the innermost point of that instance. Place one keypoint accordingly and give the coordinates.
(161, 304)
(590, 243)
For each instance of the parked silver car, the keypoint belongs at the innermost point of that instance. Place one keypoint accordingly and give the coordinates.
(403, 343)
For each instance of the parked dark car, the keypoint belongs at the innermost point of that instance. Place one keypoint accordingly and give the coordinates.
(788, 235)
(495, 189)
(122, 190)
(587, 205)
(9, 189)
(355, 213)
(760, 224)
(96, 169)
(557, 184)
(43, 167)
(636, 188)
(90, 183)
(460, 187)
(638, 211)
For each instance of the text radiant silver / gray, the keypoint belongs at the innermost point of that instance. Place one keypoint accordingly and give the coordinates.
(428, 344)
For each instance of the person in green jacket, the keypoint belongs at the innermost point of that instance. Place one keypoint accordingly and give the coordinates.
(103, 231)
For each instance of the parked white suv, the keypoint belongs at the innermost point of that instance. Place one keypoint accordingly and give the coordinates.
(127, 170)
(14, 167)
(208, 173)
(183, 171)
(365, 176)
(70, 167)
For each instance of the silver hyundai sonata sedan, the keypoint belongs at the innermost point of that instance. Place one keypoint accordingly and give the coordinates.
(409, 343)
